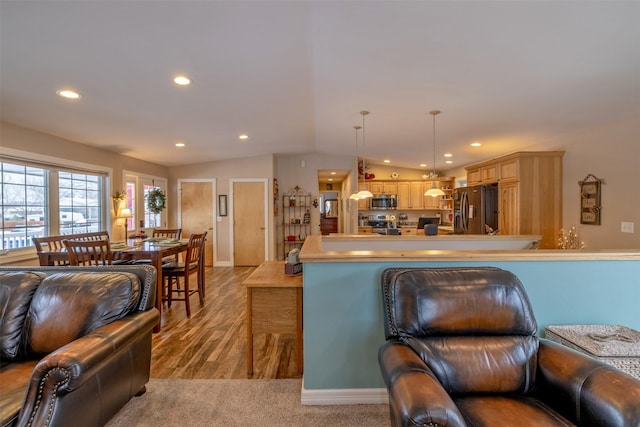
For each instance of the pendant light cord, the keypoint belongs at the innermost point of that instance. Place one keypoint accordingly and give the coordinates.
(434, 113)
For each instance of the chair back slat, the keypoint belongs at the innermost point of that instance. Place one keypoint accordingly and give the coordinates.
(89, 252)
(195, 249)
(171, 233)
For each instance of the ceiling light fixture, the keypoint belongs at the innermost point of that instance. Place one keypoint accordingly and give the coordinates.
(243, 136)
(434, 191)
(68, 93)
(364, 194)
(355, 196)
(475, 144)
(179, 144)
(387, 161)
(182, 80)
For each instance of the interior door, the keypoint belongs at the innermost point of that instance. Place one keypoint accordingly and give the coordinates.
(248, 223)
(197, 213)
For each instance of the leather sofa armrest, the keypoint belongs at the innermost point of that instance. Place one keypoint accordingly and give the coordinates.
(416, 398)
(585, 389)
(68, 368)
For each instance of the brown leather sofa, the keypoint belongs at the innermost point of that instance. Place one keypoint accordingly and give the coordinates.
(75, 342)
(461, 350)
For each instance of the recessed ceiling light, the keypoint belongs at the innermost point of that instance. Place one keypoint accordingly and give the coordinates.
(475, 144)
(329, 179)
(448, 161)
(68, 93)
(333, 173)
(182, 80)
(387, 161)
(179, 144)
(243, 136)
(422, 165)
(448, 155)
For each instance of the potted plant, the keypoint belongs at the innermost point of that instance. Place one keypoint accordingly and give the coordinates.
(118, 197)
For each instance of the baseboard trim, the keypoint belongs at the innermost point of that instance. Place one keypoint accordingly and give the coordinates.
(348, 396)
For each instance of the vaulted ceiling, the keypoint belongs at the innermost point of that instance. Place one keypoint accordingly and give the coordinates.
(294, 75)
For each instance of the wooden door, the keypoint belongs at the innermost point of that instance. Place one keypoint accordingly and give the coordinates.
(197, 213)
(509, 212)
(248, 223)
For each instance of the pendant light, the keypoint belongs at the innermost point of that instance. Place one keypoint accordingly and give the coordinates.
(354, 196)
(434, 191)
(363, 194)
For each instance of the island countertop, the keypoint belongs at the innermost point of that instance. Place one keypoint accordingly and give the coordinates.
(329, 249)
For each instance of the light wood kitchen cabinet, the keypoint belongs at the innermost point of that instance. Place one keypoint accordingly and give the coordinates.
(404, 190)
(473, 176)
(389, 188)
(376, 187)
(383, 187)
(529, 193)
(430, 202)
(509, 169)
(489, 174)
(508, 208)
(416, 195)
(363, 204)
(406, 231)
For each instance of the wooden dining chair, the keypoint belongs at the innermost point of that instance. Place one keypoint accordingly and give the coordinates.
(169, 233)
(89, 252)
(172, 272)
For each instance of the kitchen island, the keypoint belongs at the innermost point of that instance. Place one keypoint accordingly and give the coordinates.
(343, 309)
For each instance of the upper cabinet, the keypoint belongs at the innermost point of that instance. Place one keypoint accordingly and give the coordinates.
(485, 174)
(411, 194)
(529, 192)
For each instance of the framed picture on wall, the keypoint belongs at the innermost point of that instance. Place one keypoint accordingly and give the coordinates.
(590, 206)
(222, 205)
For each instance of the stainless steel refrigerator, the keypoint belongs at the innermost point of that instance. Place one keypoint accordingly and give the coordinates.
(475, 207)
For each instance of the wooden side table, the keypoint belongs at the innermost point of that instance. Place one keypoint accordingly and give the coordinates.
(274, 306)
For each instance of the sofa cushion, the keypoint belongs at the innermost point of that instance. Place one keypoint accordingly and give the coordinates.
(16, 291)
(67, 306)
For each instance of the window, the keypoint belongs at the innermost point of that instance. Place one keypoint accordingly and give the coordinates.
(24, 204)
(47, 200)
(80, 206)
(137, 187)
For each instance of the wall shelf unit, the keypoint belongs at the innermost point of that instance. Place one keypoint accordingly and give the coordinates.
(296, 218)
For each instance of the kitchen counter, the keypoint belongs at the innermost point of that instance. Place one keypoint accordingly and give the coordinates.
(412, 245)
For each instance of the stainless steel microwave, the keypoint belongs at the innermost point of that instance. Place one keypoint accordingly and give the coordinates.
(383, 202)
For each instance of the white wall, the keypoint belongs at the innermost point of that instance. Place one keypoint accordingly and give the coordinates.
(611, 153)
(224, 171)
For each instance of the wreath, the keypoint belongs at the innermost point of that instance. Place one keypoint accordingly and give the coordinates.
(156, 200)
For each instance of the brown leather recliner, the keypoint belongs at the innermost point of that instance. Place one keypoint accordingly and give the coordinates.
(461, 350)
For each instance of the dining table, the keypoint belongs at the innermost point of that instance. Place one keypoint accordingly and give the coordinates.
(154, 250)
(151, 249)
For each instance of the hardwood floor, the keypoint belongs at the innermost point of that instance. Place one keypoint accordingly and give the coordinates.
(213, 342)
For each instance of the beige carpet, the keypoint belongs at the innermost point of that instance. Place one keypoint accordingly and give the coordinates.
(273, 403)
